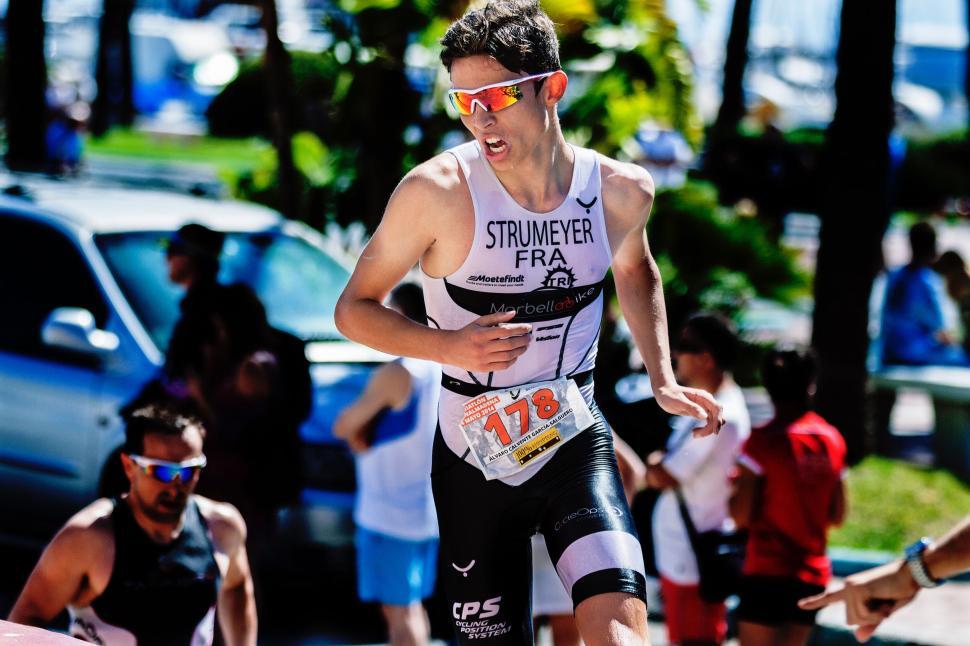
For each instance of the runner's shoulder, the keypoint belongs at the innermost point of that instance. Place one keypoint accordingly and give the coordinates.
(224, 521)
(627, 186)
(89, 531)
(435, 180)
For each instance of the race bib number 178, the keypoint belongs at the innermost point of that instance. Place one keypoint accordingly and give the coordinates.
(511, 428)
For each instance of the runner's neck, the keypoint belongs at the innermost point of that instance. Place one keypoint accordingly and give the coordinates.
(541, 183)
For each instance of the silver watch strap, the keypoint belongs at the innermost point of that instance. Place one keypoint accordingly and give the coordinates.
(918, 569)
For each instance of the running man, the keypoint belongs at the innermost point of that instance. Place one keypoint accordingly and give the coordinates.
(152, 566)
(515, 232)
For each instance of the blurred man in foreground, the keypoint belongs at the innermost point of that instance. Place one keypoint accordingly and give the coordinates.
(152, 566)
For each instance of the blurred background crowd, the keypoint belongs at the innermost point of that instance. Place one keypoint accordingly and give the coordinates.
(187, 183)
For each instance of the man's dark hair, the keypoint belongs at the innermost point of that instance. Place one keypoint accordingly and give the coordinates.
(922, 240)
(788, 374)
(201, 244)
(516, 33)
(410, 298)
(166, 419)
(716, 335)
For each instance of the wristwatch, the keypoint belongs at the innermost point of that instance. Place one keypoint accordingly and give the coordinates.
(917, 567)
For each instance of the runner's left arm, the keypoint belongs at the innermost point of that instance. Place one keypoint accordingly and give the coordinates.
(237, 601)
(627, 199)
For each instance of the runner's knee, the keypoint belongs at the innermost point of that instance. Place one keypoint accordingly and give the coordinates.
(613, 619)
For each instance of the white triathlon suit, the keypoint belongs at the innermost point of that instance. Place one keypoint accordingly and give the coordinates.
(549, 267)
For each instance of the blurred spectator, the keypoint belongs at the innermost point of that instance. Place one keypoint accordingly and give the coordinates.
(63, 139)
(699, 467)
(953, 269)
(251, 380)
(913, 328)
(192, 255)
(550, 602)
(788, 493)
(151, 566)
(256, 391)
(666, 154)
(390, 428)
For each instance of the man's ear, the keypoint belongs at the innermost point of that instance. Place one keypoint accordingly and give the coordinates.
(129, 466)
(556, 85)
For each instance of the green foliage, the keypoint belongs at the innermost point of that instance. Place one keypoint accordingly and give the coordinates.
(935, 171)
(241, 109)
(783, 174)
(711, 257)
(631, 67)
(324, 173)
(891, 503)
(360, 101)
(228, 157)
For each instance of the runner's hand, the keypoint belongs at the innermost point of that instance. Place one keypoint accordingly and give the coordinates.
(488, 344)
(691, 402)
(870, 596)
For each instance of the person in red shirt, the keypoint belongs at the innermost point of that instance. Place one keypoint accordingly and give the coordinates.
(788, 493)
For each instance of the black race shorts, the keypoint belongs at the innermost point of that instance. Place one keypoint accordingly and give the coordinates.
(773, 600)
(576, 500)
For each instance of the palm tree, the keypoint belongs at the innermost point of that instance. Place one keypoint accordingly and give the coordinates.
(279, 86)
(735, 60)
(855, 212)
(114, 104)
(26, 104)
(966, 73)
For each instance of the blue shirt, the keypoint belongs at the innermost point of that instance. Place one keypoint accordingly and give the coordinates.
(912, 316)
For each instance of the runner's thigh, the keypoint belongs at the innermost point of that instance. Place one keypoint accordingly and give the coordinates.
(588, 526)
(485, 553)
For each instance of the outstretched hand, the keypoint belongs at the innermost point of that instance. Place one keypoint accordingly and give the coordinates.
(692, 402)
(489, 343)
(870, 597)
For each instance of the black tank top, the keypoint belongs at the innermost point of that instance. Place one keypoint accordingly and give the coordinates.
(161, 593)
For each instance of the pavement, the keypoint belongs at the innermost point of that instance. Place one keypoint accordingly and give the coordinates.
(937, 617)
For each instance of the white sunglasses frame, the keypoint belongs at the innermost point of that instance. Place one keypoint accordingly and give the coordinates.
(144, 462)
(531, 77)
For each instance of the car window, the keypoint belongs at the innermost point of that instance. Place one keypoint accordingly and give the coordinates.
(298, 283)
(41, 270)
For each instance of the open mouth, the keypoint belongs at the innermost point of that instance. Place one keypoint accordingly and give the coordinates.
(495, 145)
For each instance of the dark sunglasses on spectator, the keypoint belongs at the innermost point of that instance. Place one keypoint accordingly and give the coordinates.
(167, 472)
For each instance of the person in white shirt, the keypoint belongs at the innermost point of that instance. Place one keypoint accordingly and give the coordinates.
(705, 353)
(390, 428)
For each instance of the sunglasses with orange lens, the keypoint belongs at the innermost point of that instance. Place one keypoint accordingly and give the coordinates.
(492, 98)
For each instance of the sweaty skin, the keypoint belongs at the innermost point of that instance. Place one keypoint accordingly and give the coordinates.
(430, 219)
(76, 566)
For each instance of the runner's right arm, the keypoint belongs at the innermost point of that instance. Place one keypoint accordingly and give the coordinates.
(70, 566)
(425, 205)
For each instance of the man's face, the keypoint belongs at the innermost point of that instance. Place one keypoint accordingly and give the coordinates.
(180, 268)
(510, 135)
(692, 361)
(159, 501)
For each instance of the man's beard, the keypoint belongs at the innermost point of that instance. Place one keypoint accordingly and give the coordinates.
(166, 508)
